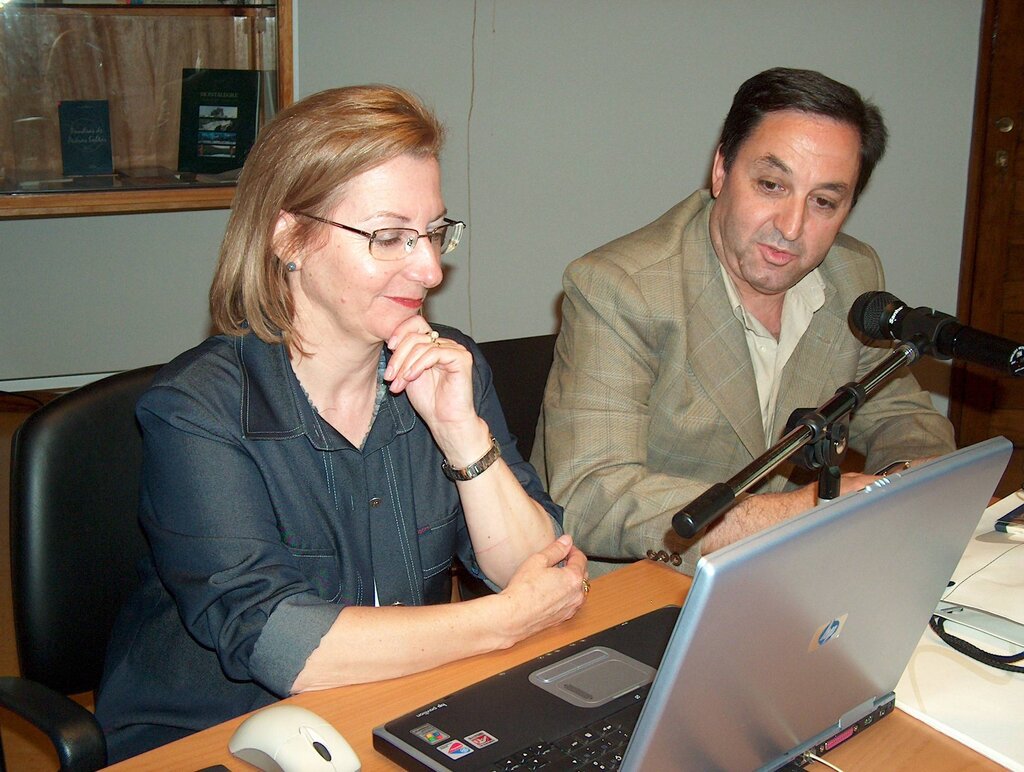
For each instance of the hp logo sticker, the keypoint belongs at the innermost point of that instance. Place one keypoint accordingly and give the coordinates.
(827, 632)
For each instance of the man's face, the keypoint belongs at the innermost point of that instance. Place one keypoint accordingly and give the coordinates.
(781, 204)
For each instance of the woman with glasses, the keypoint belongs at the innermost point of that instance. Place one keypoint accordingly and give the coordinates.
(311, 472)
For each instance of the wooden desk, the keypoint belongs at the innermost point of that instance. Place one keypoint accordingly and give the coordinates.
(897, 743)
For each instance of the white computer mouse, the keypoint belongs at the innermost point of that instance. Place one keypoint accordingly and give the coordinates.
(287, 738)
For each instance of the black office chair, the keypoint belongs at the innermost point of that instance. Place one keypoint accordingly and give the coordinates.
(75, 540)
(520, 367)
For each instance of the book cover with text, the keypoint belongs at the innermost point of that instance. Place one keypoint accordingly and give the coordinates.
(85, 137)
(219, 116)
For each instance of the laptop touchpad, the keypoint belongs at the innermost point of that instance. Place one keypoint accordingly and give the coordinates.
(593, 677)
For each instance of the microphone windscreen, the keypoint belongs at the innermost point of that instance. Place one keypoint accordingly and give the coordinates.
(870, 313)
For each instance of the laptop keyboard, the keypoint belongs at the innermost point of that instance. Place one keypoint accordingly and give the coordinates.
(597, 746)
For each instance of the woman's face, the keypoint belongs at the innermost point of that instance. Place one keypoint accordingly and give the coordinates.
(341, 292)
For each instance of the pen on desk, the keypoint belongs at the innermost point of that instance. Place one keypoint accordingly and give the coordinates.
(1012, 522)
(1016, 528)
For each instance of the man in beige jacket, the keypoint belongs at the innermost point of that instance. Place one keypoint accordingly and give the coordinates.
(686, 345)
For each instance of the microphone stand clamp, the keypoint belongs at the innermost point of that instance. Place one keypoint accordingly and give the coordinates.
(826, 451)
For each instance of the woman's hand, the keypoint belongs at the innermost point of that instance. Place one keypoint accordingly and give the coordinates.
(436, 373)
(549, 587)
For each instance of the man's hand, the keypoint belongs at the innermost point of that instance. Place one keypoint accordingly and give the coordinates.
(763, 510)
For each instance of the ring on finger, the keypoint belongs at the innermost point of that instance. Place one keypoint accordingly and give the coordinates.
(433, 335)
(586, 587)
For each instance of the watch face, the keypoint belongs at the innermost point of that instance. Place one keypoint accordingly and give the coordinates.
(476, 468)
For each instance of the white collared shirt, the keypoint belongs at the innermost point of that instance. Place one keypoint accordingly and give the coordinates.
(767, 354)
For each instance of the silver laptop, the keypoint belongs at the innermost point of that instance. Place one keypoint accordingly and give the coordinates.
(789, 640)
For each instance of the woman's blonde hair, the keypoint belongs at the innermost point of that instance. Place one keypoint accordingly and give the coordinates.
(301, 162)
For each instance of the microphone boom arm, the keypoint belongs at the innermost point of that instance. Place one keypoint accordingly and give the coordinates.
(812, 427)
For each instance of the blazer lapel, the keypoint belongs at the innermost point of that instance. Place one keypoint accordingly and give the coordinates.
(720, 359)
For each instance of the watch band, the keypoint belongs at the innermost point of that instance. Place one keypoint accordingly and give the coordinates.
(475, 469)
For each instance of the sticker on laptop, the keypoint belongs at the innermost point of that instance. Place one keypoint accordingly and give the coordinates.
(827, 632)
(430, 734)
(455, 749)
(481, 739)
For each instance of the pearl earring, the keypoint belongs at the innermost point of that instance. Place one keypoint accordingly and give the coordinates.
(291, 266)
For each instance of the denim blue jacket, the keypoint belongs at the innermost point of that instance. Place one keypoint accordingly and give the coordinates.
(264, 522)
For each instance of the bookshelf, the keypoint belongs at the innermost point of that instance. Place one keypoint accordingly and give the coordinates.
(132, 55)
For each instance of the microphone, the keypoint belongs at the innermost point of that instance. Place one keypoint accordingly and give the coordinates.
(882, 316)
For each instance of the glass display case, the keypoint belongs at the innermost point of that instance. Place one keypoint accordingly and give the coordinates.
(137, 106)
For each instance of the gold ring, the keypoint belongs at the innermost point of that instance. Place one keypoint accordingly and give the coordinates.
(586, 587)
(433, 335)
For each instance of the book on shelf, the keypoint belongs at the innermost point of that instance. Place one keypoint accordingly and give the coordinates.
(85, 137)
(219, 117)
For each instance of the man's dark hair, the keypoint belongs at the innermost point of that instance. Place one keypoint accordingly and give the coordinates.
(810, 92)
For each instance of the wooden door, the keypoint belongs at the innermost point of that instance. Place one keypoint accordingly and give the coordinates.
(984, 404)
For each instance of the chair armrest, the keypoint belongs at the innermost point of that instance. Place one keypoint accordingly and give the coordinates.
(73, 730)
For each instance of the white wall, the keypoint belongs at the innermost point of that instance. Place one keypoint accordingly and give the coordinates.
(571, 122)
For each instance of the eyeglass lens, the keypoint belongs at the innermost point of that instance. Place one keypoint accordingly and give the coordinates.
(396, 243)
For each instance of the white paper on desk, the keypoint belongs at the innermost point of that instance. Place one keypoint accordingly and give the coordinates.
(978, 705)
(990, 574)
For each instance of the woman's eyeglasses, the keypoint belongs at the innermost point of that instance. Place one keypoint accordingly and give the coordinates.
(398, 243)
